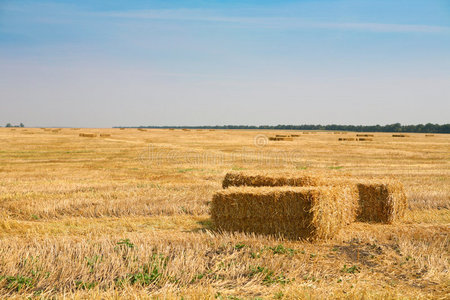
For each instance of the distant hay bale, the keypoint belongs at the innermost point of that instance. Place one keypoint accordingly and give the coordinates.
(171, 128)
(105, 134)
(87, 135)
(212, 130)
(278, 138)
(185, 129)
(142, 129)
(366, 135)
(366, 201)
(365, 139)
(429, 135)
(305, 132)
(346, 139)
(295, 135)
(400, 135)
(294, 212)
(281, 135)
(382, 202)
(122, 128)
(56, 130)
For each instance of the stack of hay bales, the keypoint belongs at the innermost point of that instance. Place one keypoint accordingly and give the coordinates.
(303, 205)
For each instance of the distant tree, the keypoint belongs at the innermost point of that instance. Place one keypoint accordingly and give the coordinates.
(8, 125)
(21, 125)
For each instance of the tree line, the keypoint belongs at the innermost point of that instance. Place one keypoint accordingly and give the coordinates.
(396, 127)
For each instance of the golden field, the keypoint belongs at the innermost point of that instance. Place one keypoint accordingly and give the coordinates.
(125, 213)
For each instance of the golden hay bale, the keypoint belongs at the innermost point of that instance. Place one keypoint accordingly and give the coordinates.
(142, 129)
(212, 130)
(185, 129)
(429, 135)
(305, 132)
(295, 135)
(294, 212)
(367, 204)
(105, 134)
(280, 135)
(365, 139)
(272, 179)
(366, 135)
(278, 138)
(122, 128)
(400, 135)
(56, 130)
(171, 128)
(87, 134)
(382, 202)
(346, 139)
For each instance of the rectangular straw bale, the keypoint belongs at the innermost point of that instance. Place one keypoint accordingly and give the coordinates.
(295, 212)
(346, 139)
(365, 135)
(381, 201)
(87, 134)
(105, 134)
(400, 135)
(365, 139)
(272, 179)
(377, 200)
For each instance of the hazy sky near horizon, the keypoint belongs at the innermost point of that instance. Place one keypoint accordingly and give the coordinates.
(126, 63)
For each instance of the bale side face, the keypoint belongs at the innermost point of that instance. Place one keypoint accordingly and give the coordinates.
(381, 202)
(294, 212)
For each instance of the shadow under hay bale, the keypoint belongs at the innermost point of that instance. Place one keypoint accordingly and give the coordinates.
(293, 212)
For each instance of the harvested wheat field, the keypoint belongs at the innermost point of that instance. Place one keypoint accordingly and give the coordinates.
(132, 215)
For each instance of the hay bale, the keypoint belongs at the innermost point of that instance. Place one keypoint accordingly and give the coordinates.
(259, 179)
(185, 129)
(381, 201)
(278, 138)
(172, 129)
(87, 135)
(142, 129)
(366, 202)
(294, 212)
(122, 128)
(105, 134)
(429, 135)
(295, 135)
(346, 139)
(366, 135)
(281, 135)
(365, 139)
(400, 135)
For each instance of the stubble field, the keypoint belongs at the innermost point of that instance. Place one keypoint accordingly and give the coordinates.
(126, 215)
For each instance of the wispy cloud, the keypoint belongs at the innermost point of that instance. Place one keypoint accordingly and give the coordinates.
(270, 22)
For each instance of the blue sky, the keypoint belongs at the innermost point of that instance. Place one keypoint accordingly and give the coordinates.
(107, 63)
